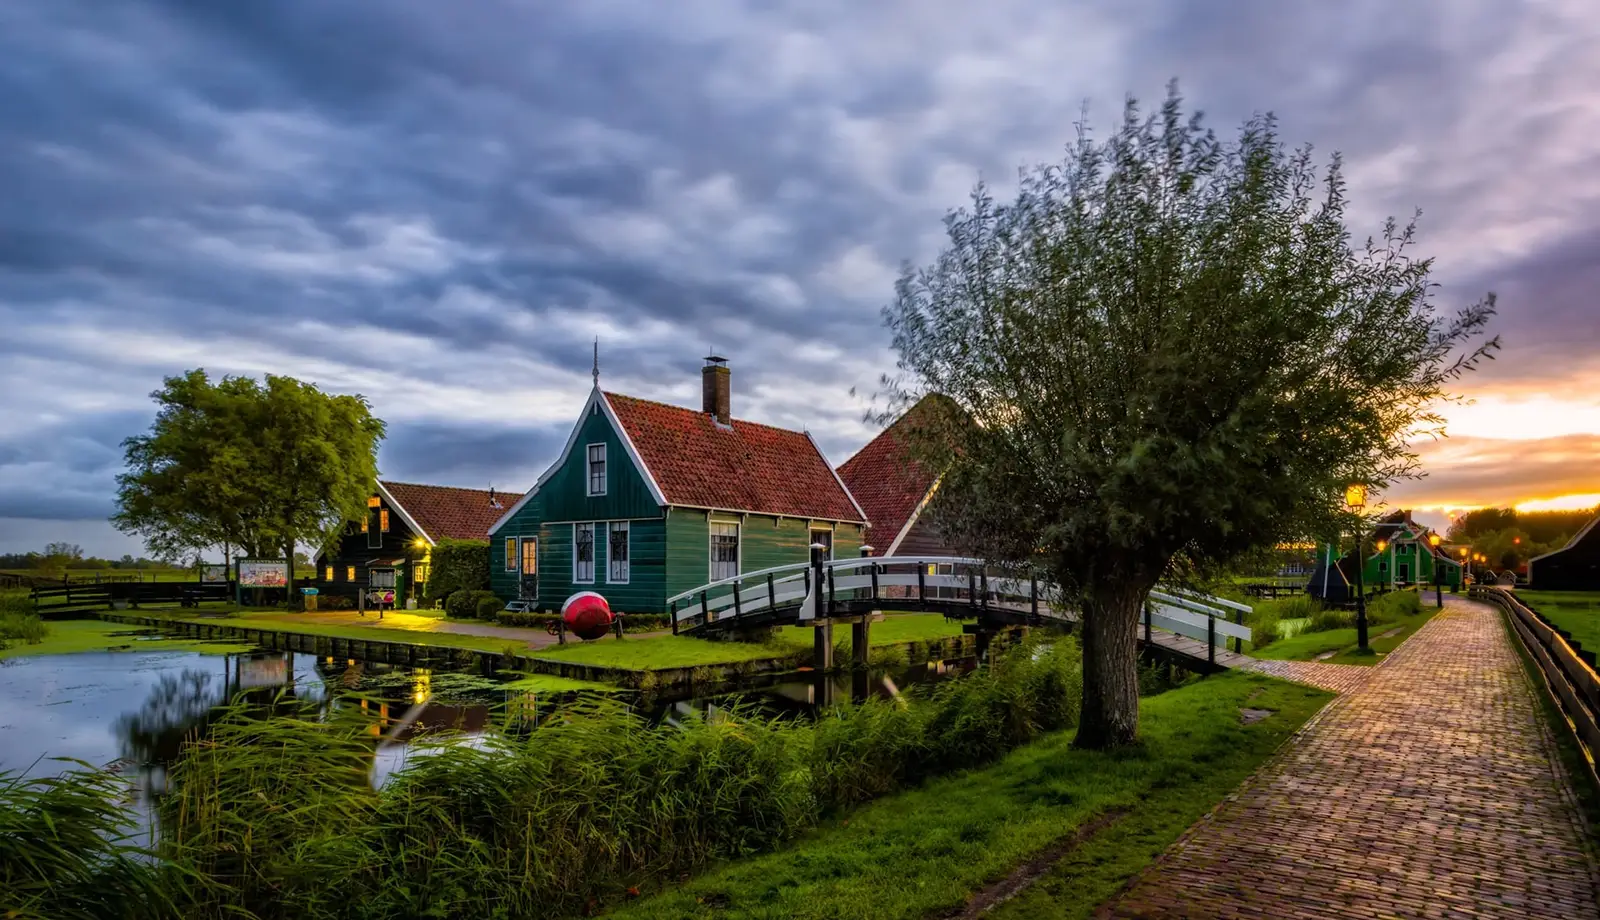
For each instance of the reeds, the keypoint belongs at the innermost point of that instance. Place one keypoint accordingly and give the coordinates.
(275, 817)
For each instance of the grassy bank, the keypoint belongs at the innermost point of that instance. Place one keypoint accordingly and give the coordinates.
(1577, 612)
(922, 852)
(1323, 631)
(276, 818)
(65, 637)
(394, 627)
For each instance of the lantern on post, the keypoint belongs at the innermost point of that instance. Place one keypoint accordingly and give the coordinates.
(1438, 576)
(1355, 498)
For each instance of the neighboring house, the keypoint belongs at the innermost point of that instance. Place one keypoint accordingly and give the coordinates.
(649, 500)
(1574, 567)
(894, 489)
(391, 547)
(1406, 560)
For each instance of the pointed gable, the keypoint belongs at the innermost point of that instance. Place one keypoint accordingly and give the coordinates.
(743, 466)
(446, 512)
(888, 482)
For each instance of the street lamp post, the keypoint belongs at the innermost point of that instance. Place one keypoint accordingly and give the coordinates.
(1381, 546)
(1355, 497)
(1438, 576)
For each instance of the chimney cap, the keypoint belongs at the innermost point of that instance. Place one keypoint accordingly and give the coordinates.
(715, 360)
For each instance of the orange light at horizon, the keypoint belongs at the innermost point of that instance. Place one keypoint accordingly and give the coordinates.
(1581, 501)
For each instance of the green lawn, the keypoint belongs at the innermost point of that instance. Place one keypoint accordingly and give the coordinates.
(550, 683)
(659, 652)
(924, 852)
(64, 637)
(1577, 612)
(279, 621)
(1306, 646)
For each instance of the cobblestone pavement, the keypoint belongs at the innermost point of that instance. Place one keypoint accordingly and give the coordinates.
(1431, 789)
(1340, 678)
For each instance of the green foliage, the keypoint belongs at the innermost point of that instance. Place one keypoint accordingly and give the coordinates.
(487, 607)
(458, 565)
(261, 466)
(631, 622)
(18, 622)
(1548, 528)
(464, 604)
(1166, 351)
(274, 818)
(66, 852)
(1326, 618)
(1393, 607)
(335, 602)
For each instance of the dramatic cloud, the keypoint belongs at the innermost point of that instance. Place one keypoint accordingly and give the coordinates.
(442, 206)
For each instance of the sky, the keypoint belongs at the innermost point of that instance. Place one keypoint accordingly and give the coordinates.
(441, 206)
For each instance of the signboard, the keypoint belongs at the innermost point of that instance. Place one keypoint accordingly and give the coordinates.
(263, 573)
(213, 573)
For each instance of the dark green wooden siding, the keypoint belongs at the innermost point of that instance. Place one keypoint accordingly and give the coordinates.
(525, 524)
(765, 542)
(688, 550)
(566, 492)
(645, 591)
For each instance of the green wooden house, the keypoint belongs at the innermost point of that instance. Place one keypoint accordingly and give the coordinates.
(649, 500)
(1406, 558)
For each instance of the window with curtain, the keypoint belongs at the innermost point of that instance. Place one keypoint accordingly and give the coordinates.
(724, 551)
(597, 469)
(617, 553)
(583, 553)
(511, 554)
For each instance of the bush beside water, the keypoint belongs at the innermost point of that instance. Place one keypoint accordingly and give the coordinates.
(275, 818)
(18, 622)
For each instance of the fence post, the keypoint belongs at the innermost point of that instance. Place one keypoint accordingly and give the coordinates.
(1146, 622)
(705, 608)
(922, 586)
(737, 610)
(1033, 596)
(672, 611)
(1211, 639)
(1238, 642)
(972, 587)
(772, 594)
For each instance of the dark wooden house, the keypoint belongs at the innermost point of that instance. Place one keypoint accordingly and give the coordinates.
(1574, 567)
(390, 549)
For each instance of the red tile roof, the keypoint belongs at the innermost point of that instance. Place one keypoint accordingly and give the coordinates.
(447, 512)
(745, 467)
(887, 481)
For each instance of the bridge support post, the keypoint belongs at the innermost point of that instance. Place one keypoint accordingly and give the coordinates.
(822, 648)
(860, 686)
(1211, 641)
(860, 633)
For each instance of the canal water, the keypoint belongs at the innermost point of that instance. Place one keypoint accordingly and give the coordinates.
(130, 711)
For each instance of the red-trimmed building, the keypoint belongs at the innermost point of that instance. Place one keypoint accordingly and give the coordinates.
(894, 489)
(649, 500)
(390, 548)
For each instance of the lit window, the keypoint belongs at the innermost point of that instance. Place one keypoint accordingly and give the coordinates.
(420, 570)
(383, 520)
(349, 573)
(597, 469)
(617, 553)
(583, 553)
(327, 573)
(373, 502)
(724, 551)
(511, 554)
(363, 525)
(530, 556)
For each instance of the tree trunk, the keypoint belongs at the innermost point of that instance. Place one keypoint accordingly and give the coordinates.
(1110, 713)
(290, 597)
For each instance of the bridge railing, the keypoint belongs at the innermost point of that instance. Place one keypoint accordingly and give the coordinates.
(920, 580)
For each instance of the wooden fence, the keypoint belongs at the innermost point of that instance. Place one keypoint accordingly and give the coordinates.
(1570, 677)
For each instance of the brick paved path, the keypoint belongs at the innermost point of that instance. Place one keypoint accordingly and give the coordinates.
(1429, 790)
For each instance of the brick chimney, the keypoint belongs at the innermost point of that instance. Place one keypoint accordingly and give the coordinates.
(715, 389)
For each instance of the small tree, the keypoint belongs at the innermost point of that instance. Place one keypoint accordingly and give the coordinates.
(457, 565)
(263, 467)
(1165, 353)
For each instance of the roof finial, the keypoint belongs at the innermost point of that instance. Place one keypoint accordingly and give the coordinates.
(597, 362)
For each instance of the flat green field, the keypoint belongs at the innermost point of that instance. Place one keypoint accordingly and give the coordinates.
(1577, 612)
(395, 627)
(923, 853)
(63, 637)
(658, 652)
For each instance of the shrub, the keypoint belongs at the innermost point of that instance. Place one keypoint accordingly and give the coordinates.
(631, 622)
(335, 602)
(1327, 618)
(1295, 607)
(457, 565)
(489, 606)
(18, 622)
(1263, 625)
(465, 604)
(1392, 606)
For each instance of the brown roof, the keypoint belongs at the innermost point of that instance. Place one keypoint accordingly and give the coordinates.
(446, 512)
(743, 467)
(887, 481)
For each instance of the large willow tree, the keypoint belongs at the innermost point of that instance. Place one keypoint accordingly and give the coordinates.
(1166, 352)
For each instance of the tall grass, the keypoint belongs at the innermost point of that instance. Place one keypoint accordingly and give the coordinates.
(18, 622)
(275, 818)
(66, 853)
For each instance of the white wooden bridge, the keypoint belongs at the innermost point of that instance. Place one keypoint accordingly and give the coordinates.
(1184, 624)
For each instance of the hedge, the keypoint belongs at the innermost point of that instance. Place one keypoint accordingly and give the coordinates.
(458, 565)
(465, 604)
(631, 622)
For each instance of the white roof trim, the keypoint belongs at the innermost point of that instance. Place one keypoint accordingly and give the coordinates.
(572, 439)
(627, 443)
(404, 515)
(915, 513)
(847, 493)
(1576, 539)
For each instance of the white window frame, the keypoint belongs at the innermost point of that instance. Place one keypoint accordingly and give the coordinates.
(711, 548)
(512, 555)
(589, 461)
(593, 552)
(811, 532)
(627, 544)
(522, 551)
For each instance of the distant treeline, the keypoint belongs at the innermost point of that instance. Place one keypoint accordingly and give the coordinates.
(58, 556)
(1539, 526)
